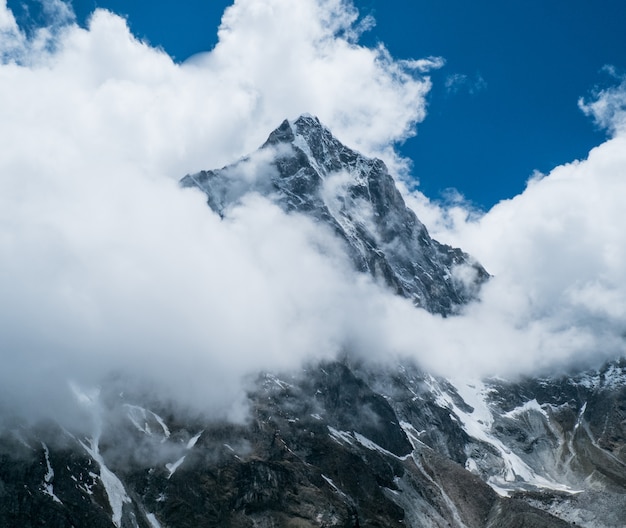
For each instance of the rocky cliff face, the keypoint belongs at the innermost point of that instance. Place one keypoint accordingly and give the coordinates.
(338, 443)
(305, 169)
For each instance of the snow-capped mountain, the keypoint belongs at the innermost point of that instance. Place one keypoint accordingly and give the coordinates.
(339, 443)
(305, 169)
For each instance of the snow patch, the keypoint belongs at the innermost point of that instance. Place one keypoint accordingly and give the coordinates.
(580, 418)
(612, 378)
(173, 467)
(112, 484)
(340, 436)
(346, 437)
(153, 520)
(161, 422)
(337, 490)
(192, 441)
(373, 446)
(85, 486)
(141, 419)
(49, 476)
(478, 423)
(282, 384)
(300, 142)
(471, 466)
(412, 433)
(529, 406)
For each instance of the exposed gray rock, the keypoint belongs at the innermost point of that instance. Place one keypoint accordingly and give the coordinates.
(336, 444)
(305, 169)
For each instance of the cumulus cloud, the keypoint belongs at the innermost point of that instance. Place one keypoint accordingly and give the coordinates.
(288, 59)
(108, 268)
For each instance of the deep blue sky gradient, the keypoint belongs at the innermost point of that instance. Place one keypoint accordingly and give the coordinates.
(526, 63)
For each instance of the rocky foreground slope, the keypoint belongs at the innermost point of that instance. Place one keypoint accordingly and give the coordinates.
(340, 443)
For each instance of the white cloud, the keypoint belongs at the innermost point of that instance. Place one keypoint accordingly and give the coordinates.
(557, 252)
(459, 81)
(287, 59)
(608, 106)
(10, 37)
(108, 267)
(425, 65)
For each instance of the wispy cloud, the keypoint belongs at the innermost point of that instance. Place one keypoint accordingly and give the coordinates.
(458, 82)
(607, 106)
(425, 65)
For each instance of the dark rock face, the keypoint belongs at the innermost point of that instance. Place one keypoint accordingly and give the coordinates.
(339, 444)
(335, 445)
(310, 172)
(29, 491)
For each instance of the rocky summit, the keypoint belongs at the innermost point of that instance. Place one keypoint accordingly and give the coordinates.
(345, 442)
(310, 172)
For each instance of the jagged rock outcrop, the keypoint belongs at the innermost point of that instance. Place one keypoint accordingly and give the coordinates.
(309, 171)
(336, 445)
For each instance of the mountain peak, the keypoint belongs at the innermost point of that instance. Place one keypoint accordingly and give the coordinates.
(308, 136)
(283, 134)
(318, 176)
(306, 125)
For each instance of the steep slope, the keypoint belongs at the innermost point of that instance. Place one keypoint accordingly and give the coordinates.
(555, 442)
(322, 448)
(305, 169)
(339, 444)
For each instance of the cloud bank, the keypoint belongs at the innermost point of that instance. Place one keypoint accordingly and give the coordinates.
(108, 268)
(110, 271)
(558, 253)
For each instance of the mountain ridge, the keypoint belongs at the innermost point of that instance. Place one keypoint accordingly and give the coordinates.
(316, 175)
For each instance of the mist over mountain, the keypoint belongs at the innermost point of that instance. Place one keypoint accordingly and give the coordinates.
(310, 172)
(348, 436)
(298, 338)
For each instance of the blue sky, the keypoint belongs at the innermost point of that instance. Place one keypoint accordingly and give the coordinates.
(505, 103)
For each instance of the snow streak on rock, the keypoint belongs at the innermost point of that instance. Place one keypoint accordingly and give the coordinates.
(112, 484)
